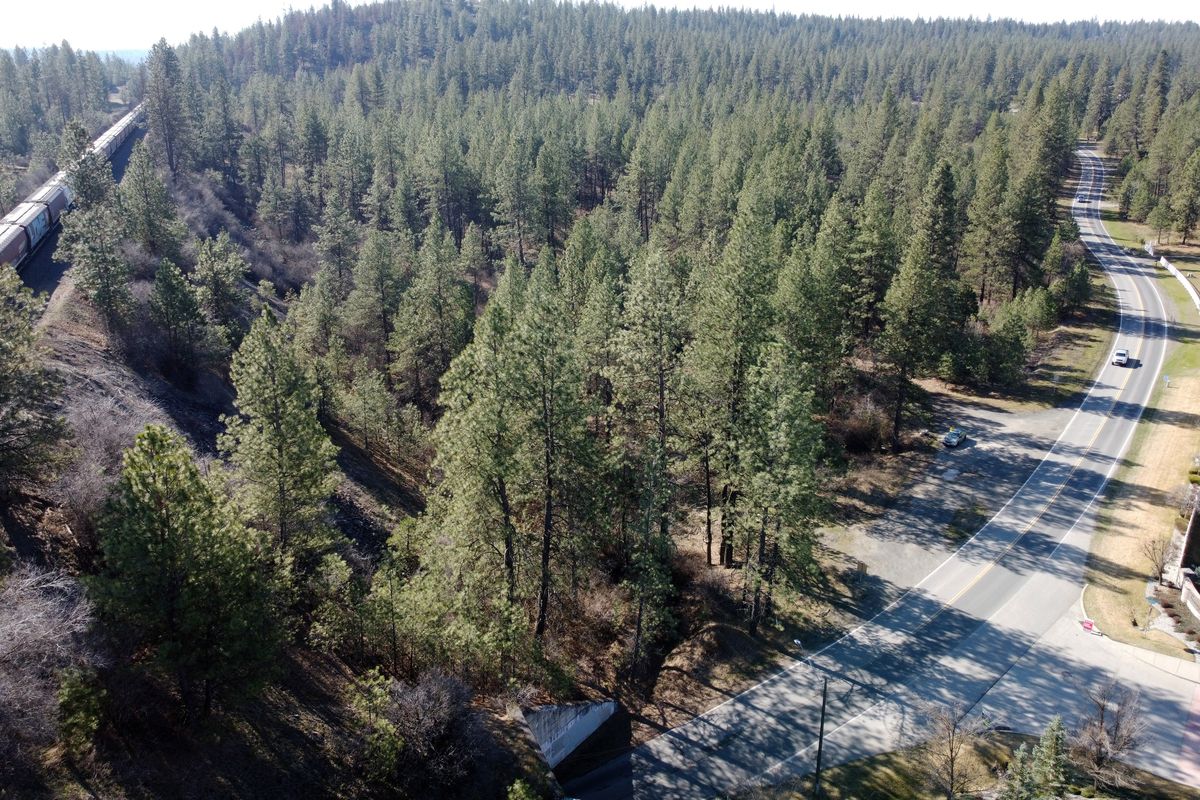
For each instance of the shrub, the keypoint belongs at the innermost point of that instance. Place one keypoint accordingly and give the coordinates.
(101, 429)
(80, 710)
(420, 739)
(44, 624)
(520, 790)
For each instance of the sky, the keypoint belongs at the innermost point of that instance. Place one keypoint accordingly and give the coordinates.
(92, 25)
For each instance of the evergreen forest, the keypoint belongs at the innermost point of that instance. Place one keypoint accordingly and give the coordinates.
(482, 336)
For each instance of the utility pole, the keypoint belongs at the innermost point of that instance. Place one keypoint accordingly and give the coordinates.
(816, 795)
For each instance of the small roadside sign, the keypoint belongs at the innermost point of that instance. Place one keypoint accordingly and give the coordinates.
(1167, 380)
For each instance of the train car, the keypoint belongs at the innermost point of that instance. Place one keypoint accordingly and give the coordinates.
(56, 195)
(27, 225)
(33, 218)
(13, 245)
(112, 139)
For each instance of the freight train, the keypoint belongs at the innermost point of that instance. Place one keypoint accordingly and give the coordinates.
(26, 227)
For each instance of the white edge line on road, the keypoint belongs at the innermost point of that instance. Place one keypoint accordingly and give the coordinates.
(1082, 514)
(951, 557)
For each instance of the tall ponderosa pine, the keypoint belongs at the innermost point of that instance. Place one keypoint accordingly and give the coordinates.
(874, 256)
(383, 269)
(337, 243)
(777, 474)
(88, 174)
(183, 576)
(922, 308)
(216, 280)
(478, 437)
(173, 306)
(29, 427)
(645, 381)
(91, 242)
(433, 322)
(1186, 202)
(732, 324)
(147, 207)
(165, 105)
(555, 456)
(284, 459)
(990, 241)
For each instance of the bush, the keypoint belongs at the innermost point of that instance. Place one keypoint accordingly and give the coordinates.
(866, 426)
(417, 740)
(101, 429)
(44, 624)
(80, 710)
(520, 790)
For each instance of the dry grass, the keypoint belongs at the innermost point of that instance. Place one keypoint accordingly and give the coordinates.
(1139, 506)
(897, 776)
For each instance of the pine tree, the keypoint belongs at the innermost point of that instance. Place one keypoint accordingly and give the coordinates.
(1018, 779)
(433, 322)
(216, 280)
(478, 437)
(184, 576)
(816, 300)
(147, 207)
(1186, 203)
(645, 383)
(515, 198)
(283, 458)
(173, 306)
(91, 242)
(548, 387)
(383, 269)
(777, 473)
(732, 324)
(874, 256)
(88, 174)
(1048, 769)
(29, 427)
(990, 241)
(165, 105)
(475, 260)
(555, 187)
(337, 243)
(921, 310)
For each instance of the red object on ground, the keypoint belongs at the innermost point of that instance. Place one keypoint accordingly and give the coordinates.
(1088, 625)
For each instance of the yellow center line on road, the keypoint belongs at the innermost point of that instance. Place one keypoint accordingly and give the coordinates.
(1045, 508)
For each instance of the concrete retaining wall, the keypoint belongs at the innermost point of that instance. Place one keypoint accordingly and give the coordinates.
(1179, 276)
(560, 729)
(1191, 598)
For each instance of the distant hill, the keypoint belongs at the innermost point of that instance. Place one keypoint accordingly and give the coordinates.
(132, 56)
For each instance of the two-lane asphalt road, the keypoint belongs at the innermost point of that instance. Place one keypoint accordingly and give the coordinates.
(950, 638)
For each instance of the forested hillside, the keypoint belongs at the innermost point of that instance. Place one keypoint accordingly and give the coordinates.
(40, 92)
(558, 286)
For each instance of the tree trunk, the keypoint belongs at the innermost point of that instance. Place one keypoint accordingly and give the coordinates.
(547, 518)
(756, 608)
(897, 416)
(510, 560)
(708, 531)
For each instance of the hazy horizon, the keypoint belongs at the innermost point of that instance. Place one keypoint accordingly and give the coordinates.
(87, 26)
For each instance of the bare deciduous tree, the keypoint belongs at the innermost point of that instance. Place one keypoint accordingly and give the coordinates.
(946, 756)
(44, 622)
(1157, 551)
(1110, 730)
(1183, 497)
